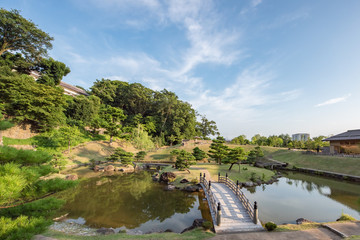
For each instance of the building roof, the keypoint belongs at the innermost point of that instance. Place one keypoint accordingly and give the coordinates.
(349, 135)
(76, 90)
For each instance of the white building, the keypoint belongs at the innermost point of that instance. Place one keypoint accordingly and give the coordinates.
(303, 137)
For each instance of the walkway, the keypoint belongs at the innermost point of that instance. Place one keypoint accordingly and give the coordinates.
(234, 217)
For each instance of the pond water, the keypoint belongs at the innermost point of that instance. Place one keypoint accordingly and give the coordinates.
(133, 202)
(298, 195)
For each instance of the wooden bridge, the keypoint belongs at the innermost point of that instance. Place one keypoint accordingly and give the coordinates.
(231, 211)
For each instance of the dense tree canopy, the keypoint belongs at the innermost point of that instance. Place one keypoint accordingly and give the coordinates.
(22, 35)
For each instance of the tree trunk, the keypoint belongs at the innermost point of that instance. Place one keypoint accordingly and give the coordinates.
(1, 140)
(231, 166)
(69, 146)
(111, 138)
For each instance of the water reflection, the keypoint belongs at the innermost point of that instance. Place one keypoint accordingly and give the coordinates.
(133, 202)
(299, 195)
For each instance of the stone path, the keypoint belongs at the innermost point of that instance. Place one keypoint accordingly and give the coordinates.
(234, 217)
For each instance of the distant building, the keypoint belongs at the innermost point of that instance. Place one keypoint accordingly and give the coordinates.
(72, 90)
(303, 137)
(346, 142)
(68, 88)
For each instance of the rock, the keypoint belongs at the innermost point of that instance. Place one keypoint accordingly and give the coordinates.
(184, 181)
(168, 230)
(197, 223)
(105, 231)
(109, 168)
(302, 220)
(191, 189)
(167, 177)
(71, 177)
(169, 188)
(96, 168)
(258, 182)
(249, 184)
(155, 178)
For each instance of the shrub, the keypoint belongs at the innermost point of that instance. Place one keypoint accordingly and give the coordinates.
(346, 217)
(22, 227)
(270, 226)
(23, 157)
(207, 225)
(53, 185)
(42, 207)
(194, 181)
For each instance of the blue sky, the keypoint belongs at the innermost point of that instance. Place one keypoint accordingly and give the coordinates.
(253, 66)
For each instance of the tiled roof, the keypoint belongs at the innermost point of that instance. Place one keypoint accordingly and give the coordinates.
(349, 135)
(73, 88)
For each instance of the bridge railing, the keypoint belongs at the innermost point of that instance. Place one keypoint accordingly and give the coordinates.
(252, 211)
(209, 192)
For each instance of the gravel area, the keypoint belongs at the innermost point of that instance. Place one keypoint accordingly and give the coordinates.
(73, 228)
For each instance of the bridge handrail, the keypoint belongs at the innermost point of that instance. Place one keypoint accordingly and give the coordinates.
(209, 193)
(240, 195)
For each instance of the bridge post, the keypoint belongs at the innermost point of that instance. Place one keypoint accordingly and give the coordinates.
(209, 184)
(226, 178)
(237, 187)
(256, 213)
(204, 176)
(219, 177)
(218, 214)
(200, 178)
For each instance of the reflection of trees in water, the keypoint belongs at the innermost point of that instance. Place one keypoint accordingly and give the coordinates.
(127, 200)
(340, 191)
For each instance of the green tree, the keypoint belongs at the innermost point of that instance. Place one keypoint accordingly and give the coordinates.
(18, 34)
(140, 156)
(121, 155)
(67, 136)
(4, 124)
(184, 160)
(199, 154)
(113, 117)
(51, 71)
(26, 100)
(207, 128)
(141, 139)
(235, 156)
(255, 154)
(58, 161)
(218, 150)
(84, 109)
(241, 140)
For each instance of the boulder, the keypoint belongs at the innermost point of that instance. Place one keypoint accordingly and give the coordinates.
(249, 184)
(302, 220)
(169, 188)
(105, 231)
(155, 177)
(71, 177)
(197, 223)
(96, 168)
(191, 189)
(167, 177)
(258, 182)
(184, 180)
(109, 168)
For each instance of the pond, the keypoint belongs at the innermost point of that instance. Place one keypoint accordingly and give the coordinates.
(298, 195)
(133, 202)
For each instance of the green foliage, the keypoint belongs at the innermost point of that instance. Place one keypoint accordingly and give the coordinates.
(218, 150)
(42, 207)
(121, 155)
(26, 100)
(58, 161)
(12, 183)
(23, 157)
(53, 185)
(14, 141)
(18, 34)
(85, 109)
(199, 154)
(22, 227)
(140, 156)
(346, 217)
(66, 136)
(255, 154)
(51, 71)
(141, 139)
(241, 140)
(15, 61)
(207, 225)
(207, 128)
(270, 226)
(113, 117)
(184, 160)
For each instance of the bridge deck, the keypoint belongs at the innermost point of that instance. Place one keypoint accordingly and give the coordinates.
(234, 217)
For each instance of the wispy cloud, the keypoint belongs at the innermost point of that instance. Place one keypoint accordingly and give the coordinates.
(334, 101)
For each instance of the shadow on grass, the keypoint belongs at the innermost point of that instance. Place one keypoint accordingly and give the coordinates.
(160, 156)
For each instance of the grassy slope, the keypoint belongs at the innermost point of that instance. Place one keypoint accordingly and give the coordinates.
(193, 235)
(344, 165)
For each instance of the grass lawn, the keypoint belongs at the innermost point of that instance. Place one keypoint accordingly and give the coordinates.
(13, 141)
(196, 234)
(214, 169)
(345, 165)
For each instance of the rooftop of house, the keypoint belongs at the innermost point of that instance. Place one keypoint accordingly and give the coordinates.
(73, 88)
(349, 135)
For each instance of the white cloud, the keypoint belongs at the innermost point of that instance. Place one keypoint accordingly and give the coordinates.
(334, 101)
